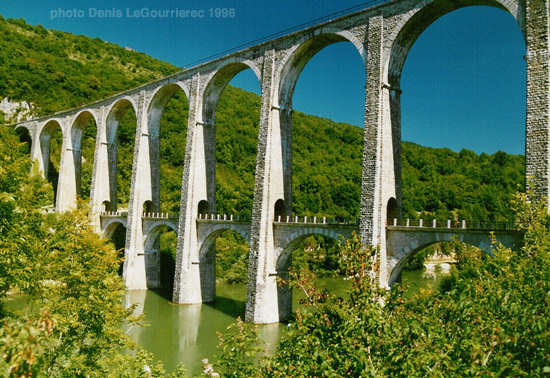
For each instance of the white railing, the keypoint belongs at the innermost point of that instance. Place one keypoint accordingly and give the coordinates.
(463, 224)
(316, 220)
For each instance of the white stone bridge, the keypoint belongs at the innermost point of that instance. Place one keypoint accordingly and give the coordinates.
(382, 35)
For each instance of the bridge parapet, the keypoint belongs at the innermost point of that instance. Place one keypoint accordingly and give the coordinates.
(316, 220)
(222, 218)
(114, 214)
(449, 224)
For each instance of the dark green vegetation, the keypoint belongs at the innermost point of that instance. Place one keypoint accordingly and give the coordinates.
(490, 317)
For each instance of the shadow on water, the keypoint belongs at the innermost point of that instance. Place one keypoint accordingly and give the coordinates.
(228, 306)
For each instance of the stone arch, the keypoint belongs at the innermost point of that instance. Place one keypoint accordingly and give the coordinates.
(223, 74)
(110, 225)
(283, 262)
(299, 236)
(296, 59)
(77, 130)
(25, 135)
(151, 248)
(401, 257)
(45, 133)
(160, 98)
(414, 24)
(207, 258)
(153, 232)
(115, 112)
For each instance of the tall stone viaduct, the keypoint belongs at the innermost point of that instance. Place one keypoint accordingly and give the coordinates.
(383, 36)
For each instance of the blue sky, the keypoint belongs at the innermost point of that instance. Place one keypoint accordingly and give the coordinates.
(463, 82)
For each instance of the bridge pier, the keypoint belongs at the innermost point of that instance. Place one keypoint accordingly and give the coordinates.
(381, 175)
(272, 184)
(198, 185)
(134, 271)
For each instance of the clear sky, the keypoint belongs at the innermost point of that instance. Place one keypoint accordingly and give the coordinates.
(463, 82)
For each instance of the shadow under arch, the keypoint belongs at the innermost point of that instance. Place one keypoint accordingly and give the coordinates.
(78, 129)
(284, 263)
(24, 135)
(151, 247)
(418, 22)
(115, 115)
(207, 268)
(116, 233)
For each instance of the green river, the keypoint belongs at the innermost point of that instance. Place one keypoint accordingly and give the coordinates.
(187, 333)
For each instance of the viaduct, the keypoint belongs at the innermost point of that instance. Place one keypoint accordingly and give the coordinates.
(383, 35)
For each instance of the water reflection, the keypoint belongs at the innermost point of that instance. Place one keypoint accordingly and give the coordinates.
(187, 333)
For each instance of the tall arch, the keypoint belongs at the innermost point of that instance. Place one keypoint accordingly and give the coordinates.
(312, 51)
(163, 167)
(50, 137)
(414, 24)
(296, 59)
(83, 129)
(120, 115)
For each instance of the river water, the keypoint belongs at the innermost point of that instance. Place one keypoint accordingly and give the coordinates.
(187, 333)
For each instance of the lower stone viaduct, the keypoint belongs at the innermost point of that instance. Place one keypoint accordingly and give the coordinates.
(383, 35)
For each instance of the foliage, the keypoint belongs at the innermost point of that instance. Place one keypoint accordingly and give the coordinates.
(72, 324)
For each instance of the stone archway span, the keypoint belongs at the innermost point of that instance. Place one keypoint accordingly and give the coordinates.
(413, 23)
(158, 101)
(109, 226)
(217, 82)
(404, 244)
(292, 64)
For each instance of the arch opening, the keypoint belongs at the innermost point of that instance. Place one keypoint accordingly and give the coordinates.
(120, 135)
(167, 133)
(223, 258)
(324, 161)
(472, 88)
(83, 137)
(24, 138)
(203, 208)
(315, 253)
(231, 118)
(51, 141)
(148, 207)
(392, 211)
(116, 233)
(107, 206)
(160, 259)
(439, 251)
(279, 210)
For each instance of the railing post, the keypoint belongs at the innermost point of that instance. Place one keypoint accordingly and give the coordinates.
(408, 222)
(463, 223)
(448, 223)
(420, 222)
(434, 223)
